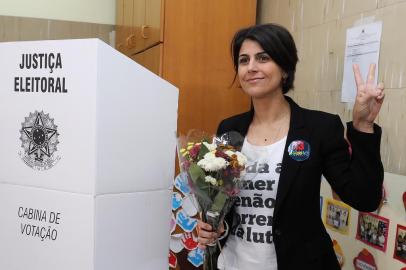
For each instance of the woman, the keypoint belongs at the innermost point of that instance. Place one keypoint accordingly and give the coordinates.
(294, 147)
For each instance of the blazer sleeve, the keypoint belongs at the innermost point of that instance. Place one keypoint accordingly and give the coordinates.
(357, 178)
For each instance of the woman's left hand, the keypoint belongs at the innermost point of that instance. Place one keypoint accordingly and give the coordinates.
(368, 101)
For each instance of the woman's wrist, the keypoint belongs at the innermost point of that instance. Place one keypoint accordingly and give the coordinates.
(220, 237)
(225, 233)
(363, 126)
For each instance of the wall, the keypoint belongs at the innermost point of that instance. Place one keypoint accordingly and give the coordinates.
(20, 28)
(93, 11)
(393, 210)
(47, 19)
(319, 29)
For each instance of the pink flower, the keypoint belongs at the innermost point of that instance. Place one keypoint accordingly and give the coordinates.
(222, 155)
(194, 152)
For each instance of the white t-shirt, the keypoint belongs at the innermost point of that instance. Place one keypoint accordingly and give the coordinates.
(250, 242)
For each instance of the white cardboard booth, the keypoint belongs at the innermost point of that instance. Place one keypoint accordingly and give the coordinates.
(87, 158)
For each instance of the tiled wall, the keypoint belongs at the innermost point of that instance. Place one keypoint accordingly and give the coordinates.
(21, 28)
(319, 28)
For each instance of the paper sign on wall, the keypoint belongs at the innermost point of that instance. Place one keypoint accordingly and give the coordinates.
(362, 48)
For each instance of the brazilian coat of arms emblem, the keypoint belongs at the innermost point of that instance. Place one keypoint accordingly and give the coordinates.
(39, 137)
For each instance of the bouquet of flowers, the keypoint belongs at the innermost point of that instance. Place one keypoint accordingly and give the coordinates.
(215, 167)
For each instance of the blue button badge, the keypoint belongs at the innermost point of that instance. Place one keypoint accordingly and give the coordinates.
(299, 150)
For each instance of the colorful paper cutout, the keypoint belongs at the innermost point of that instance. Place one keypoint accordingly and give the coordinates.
(176, 200)
(400, 244)
(175, 243)
(373, 230)
(196, 257)
(181, 183)
(189, 241)
(173, 261)
(365, 261)
(190, 205)
(339, 253)
(185, 222)
(337, 216)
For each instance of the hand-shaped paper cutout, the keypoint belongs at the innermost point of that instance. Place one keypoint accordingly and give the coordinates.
(173, 261)
(181, 183)
(176, 200)
(175, 244)
(196, 257)
(185, 222)
(190, 205)
(189, 241)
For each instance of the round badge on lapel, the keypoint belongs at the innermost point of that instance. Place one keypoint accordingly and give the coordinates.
(299, 150)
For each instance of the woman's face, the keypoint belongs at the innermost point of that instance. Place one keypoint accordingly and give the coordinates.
(259, 75)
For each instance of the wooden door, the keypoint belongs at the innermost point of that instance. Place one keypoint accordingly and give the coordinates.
(197, 59)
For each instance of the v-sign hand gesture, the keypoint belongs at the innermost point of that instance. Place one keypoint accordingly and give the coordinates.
(368, 101)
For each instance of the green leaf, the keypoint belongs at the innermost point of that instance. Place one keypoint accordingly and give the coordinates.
(203, 151)
(219, 202)
(197, 175)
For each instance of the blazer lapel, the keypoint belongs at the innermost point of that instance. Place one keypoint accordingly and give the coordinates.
(290, 167)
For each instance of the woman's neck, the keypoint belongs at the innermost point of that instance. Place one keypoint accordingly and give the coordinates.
(271, 109)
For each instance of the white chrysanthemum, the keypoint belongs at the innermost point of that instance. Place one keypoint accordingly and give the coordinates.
(211, 163)
(211, 180)
(242, 160)
(210, 146)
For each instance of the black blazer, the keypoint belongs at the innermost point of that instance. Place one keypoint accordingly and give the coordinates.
(300, 238)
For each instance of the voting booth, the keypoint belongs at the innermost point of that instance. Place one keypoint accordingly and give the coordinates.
(87, 145)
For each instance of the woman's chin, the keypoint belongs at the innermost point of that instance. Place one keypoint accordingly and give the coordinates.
(261, 94)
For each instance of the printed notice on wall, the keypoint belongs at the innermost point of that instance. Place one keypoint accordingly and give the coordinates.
(362, 48)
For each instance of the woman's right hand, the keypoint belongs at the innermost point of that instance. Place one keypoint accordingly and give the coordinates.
(206, 235)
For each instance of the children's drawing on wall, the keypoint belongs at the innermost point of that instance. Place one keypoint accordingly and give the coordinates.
(337, 216)
(373, 230)
(400, 244)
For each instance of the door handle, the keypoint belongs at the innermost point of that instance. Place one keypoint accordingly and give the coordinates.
(143, 34)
